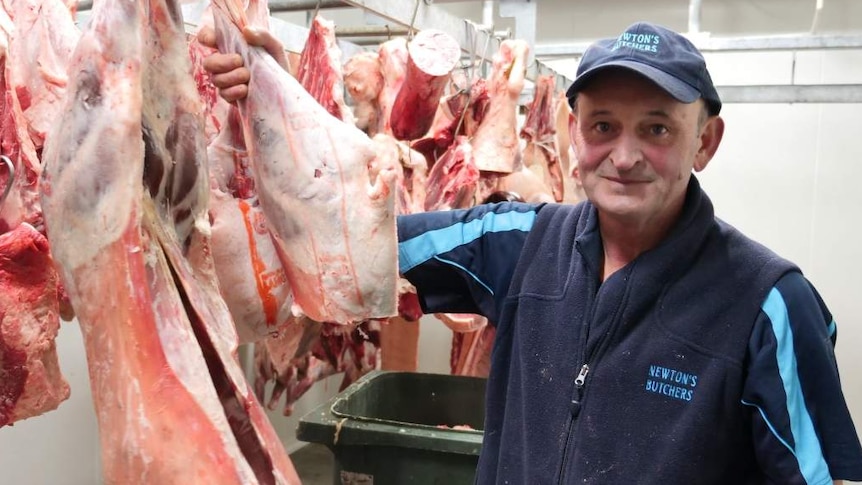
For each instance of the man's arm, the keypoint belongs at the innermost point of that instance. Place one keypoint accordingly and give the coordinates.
(462, 261)
(802, 429)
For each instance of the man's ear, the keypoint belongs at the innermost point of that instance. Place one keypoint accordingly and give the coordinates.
(573, 123)
(710, 138)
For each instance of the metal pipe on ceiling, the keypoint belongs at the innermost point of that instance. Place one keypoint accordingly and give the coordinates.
(816, 93)
(793, 42)
(694, 9)
(371, 31)
(274, 5)
(304, 5)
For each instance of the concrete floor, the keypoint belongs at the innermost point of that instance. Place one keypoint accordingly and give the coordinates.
(314, 464)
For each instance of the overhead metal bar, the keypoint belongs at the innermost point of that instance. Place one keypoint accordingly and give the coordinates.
(370, 31)
(732, 44)
(423, 15)
(304, 5)
(814, 93)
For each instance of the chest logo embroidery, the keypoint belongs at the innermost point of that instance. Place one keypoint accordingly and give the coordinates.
(671, 382)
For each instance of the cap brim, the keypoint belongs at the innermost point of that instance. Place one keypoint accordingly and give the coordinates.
(680, 90)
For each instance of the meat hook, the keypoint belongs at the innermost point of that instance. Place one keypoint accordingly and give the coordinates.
(10, 181)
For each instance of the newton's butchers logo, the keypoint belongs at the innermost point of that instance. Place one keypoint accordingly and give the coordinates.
(671, 382)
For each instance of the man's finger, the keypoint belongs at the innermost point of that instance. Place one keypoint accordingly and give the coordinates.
(234, 93)
(263, 38)
(222, 63)
(206, 36)
(231, 78)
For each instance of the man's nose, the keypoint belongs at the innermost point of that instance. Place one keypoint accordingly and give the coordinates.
(626, 153)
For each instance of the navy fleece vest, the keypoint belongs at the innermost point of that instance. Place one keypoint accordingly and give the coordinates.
(659, 347)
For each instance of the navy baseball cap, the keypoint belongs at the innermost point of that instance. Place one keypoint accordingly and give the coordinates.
(661, 55)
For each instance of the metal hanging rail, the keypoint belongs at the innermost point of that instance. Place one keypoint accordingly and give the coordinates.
(469, 37)
(794, 42)
(792, 93)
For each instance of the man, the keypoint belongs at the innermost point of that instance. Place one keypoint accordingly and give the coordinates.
(639, 339)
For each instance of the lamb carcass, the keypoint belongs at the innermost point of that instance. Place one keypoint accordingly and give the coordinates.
(393, 67)
(334, 227)
(319, 70)
(45, 36)
(21, 202)
(251, 277)
(495, 145)
(541, 155)
(124, 194)
(453, 179)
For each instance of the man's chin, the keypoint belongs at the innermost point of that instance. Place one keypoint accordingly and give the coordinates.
(619, 206)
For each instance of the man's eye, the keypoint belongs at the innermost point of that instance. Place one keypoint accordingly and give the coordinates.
(603, 127)
(658, 129)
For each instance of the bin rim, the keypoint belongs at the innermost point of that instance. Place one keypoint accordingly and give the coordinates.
(367, 380)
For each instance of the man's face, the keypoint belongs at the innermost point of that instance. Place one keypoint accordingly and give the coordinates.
(636, 147)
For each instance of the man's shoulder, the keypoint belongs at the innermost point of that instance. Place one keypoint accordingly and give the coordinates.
(743, 249)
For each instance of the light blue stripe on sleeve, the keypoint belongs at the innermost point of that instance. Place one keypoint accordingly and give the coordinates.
(807, 450)
(423, 247)
(831, 329)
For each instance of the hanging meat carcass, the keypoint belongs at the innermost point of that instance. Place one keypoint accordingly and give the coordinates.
(541, 155)
(393, 67)
(124, 194)
(472, 339)
(45, 36)
(323, 349)
(495, 144)
(30, 379)
(459, 113)
(319, 69)
(432, 54)
(251, 277)
(287, 358)
(452, 181)
(21, 202)
(334, 227)
(30, 295)
(364, 81)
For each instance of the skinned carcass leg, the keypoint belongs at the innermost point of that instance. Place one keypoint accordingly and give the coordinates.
(124, 195)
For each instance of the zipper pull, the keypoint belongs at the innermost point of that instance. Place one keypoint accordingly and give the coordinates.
(575, 407)
(582, 376)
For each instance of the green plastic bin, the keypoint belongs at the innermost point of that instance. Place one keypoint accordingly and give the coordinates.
(390, 428)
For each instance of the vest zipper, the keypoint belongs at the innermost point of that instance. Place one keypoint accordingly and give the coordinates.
(581, 379)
